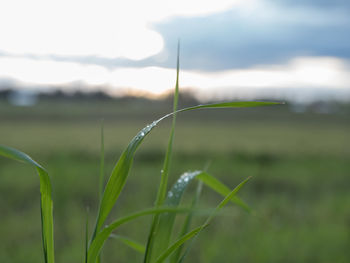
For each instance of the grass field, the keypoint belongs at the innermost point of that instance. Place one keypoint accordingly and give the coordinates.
(300, 163)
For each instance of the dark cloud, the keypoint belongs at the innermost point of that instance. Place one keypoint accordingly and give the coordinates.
(317, 4)
(228, 40)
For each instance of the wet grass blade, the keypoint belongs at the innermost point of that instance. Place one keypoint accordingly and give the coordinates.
(165, 171)
(100, 238)
(196, 231)
(45, 202)
(166, 221)
(118, 177)
(186, 225)
(136, 246)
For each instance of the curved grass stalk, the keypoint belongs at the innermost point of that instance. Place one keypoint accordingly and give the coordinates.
(45, 199)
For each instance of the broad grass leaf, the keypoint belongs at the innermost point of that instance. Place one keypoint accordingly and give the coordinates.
(45, 199)
(118, 177)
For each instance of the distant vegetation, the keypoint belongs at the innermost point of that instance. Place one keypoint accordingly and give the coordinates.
(186, 99)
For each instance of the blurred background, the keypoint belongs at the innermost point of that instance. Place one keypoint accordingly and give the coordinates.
(67, 65)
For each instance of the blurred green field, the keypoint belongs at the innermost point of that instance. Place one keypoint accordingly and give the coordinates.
(300, 163)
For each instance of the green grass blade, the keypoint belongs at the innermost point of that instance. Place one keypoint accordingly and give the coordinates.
(46, 206)
(186, 225)
(136, 246)
(100, 238)
(118, 177)
(221, 189)
(233, 104)
(165, 171)
(166, 221)
(196, 231)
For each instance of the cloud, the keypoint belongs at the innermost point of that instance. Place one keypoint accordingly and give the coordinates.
(318, 4)
(267, 34)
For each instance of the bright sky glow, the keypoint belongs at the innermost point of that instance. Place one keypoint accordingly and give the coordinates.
(103, 28)
(306, 71)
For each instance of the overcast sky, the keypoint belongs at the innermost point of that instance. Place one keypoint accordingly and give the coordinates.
(237, 48)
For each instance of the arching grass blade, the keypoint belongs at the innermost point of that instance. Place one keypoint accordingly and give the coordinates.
(45, 202)
(118, 177)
